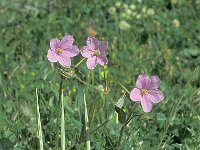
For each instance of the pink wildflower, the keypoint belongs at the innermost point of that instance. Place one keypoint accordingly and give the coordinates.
(95, 52)
(147, 91)
(62, 51)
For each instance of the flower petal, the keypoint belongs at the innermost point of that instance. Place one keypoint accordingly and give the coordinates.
(103, 46)
(52, 56)
(71, 51)
(155, 96)
(54, 44)
(92, 43)
(91, 62)
(66, 41)
(64, 61)
(102, 60)
(155, 81)
(86, 52)
(135, 95)
(143, 82)
(146, 105)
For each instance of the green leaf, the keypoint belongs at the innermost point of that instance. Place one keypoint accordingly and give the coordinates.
(193, 51)
(6, 144)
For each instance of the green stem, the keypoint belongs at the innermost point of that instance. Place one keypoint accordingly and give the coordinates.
(79, 63)
(91, 132)
(120, 136)
(80, 80)
(130, 117)
(60, 88)
(124, 87)
(59, 104)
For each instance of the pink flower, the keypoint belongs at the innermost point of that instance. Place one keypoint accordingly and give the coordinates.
(95, 52)
(147, 91)
(62, 51)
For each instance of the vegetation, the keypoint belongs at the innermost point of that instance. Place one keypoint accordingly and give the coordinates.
(157, 37)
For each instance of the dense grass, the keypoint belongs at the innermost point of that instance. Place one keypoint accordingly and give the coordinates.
(164, 41)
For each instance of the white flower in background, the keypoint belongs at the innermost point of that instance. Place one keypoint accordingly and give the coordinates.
(157, 25)
(144, 9)
(139, 1)
(134, 13)
(174, 2)
(138, 16)
(197, 2)
(118, 4)
(176, 23)
(124, 15)
(123, 25)
(125, 6)
(132, 6)
(112, 10)
(150, 12)
(128, 11)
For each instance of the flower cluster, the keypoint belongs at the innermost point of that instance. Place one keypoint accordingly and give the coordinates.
(147, 87)
(63, 50)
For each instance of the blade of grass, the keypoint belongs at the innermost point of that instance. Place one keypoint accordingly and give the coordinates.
(167, 122)
(86, 124)
(58, 112)
(105, 122)
(40, 136)
(62, 123)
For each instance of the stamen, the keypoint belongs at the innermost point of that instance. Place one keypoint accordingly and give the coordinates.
(96, 52)
(59, 50)
(144, 91)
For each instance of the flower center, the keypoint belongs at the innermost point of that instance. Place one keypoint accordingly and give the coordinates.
(59, 51)
(144, 91)
(96, 52)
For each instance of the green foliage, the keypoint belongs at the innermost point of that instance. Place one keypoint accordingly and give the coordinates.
(151, 37)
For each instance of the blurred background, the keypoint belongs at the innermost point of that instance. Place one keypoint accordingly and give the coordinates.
(159, 37)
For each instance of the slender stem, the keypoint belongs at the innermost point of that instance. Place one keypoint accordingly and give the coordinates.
(120, 136)
(60, 88)
(124, 87)
(132, 118)
(163, 136)
(59, 104)
(79, 63)
(129, 117)
(123, 127)
(80, 80)
(106, 89)
(91, 132)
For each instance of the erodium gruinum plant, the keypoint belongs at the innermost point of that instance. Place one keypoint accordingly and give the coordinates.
(146, 91)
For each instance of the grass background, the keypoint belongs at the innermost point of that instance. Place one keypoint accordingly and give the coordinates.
(164, 41)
